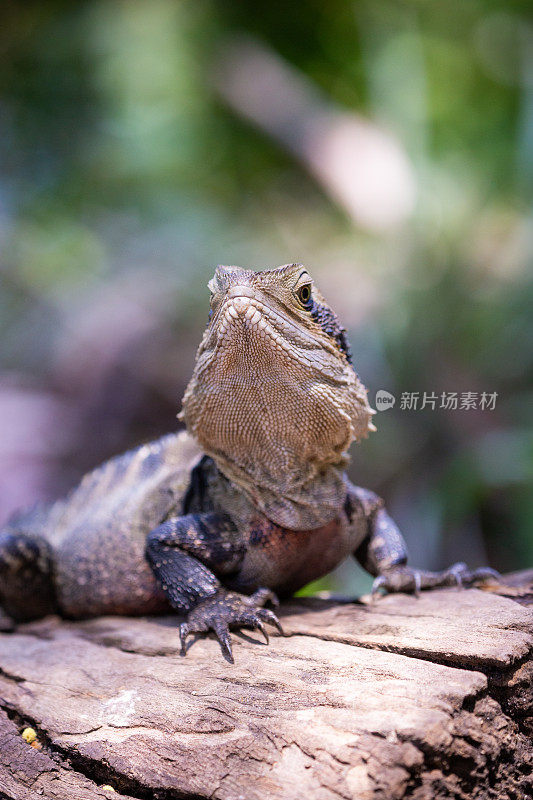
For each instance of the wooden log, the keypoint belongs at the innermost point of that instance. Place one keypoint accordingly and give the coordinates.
(408, 697)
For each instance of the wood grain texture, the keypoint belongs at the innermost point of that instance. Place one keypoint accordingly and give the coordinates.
(418, 698)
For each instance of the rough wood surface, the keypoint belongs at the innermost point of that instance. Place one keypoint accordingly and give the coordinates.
(418, 698)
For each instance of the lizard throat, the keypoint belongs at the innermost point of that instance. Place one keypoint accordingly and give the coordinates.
(294, 504)
(276, 408)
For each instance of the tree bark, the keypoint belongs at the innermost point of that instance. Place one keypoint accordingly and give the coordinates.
(421, 698)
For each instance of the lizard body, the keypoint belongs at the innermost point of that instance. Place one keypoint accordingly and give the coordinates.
(250, 501)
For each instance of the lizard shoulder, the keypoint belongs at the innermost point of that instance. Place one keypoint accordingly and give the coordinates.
(138, 487)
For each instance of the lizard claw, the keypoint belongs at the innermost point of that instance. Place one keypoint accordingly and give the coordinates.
(251, 619)
(261, 627)
(379, 583)
(268, 616)
(184, 632)
(222, 633)
(226, 610)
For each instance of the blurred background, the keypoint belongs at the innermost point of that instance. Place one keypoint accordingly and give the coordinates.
(388, 146)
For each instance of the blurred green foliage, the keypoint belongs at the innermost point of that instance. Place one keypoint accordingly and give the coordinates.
(124, 179)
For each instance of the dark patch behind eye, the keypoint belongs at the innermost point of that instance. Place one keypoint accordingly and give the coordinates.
(329, 322)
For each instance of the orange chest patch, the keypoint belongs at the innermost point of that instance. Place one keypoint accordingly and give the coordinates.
(285, 560)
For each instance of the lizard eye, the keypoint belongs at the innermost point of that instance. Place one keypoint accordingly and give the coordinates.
(305, 296)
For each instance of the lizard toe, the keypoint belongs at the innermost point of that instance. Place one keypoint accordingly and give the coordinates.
(221, 630)
(379, 585)
(263, 596)
(251, 619)
(229, 610)
(467, 577)
(267, 615)
(184, 632)
(398, 579)
(406, 579)
(459, 573)
(484, 574)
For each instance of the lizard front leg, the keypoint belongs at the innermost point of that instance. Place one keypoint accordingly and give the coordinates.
(185, 553)
(383, 553)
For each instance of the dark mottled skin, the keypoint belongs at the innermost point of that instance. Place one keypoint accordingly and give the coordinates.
(99, 566)
(162, 526)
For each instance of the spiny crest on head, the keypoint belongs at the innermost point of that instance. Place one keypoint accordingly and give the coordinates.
(226, 275)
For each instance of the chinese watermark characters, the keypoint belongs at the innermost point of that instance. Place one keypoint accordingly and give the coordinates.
(447, 401)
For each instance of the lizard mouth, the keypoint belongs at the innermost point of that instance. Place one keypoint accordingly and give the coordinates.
(243, 318)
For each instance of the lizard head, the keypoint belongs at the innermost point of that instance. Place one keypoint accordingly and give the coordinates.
(274, 398)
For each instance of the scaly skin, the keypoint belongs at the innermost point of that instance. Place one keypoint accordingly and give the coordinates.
(251, 502)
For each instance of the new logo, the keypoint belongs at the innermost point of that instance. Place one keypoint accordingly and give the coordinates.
(384, 400)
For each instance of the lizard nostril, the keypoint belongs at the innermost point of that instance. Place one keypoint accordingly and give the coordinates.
(241, 304)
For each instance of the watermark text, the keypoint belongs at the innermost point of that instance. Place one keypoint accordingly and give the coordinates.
(447, 401)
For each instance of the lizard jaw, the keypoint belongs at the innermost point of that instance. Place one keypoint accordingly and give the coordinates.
(245, 318)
